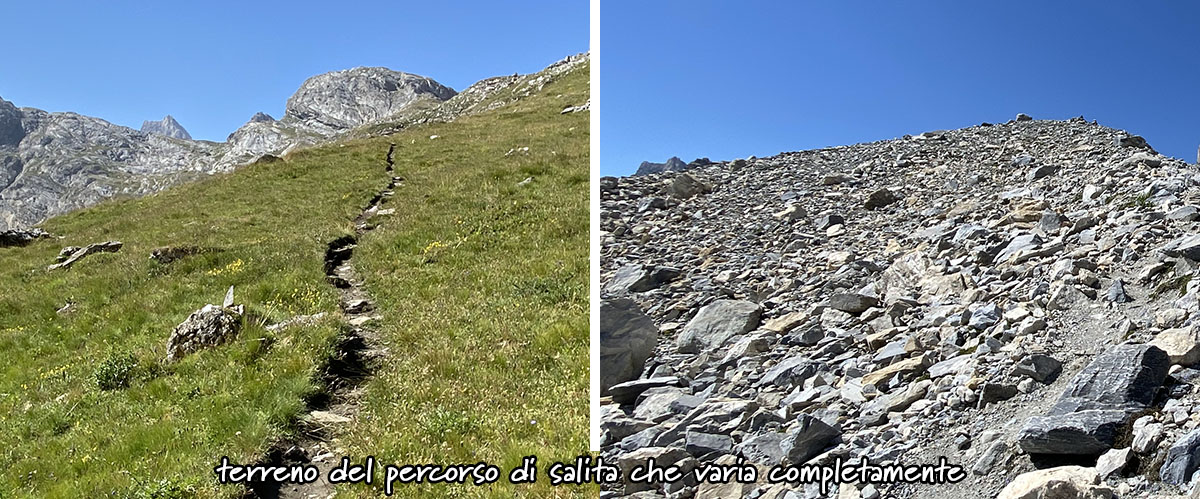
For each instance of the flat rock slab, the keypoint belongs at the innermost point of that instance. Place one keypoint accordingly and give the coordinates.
(107, 246)
(627, 392)
(1079, 433)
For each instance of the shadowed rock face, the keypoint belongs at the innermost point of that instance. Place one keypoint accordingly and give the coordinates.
(11, 131)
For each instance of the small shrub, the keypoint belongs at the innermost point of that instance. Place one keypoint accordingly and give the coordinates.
(115, 372)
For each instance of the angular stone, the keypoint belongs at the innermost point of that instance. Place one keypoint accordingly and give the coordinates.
(906, 366)
(628, 392)
(995, 453)
(685, 186)
(1186, 247)
(764, 448)
(790, 371)
(699, 444)
(655, 404)
(205, 328)
(1116, 292)
(636, 278)
(785, 323)
(1018, 244)
(880, 198)
(996, 392)
(1181, 344)
(1184, 213)
(1183, 458)
(1114, 462)
(1038, 366)
(1041, 171)
(953, 365)
(852, 303)
(627, 339)
(19, 237)
(1147, 438)
(810, 438)
(826, 221)
(1064, 296)
(986, 316)
(717, 322)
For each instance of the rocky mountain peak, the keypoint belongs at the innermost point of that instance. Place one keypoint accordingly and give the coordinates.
(349, 98)
(166, 126)
(261, 117)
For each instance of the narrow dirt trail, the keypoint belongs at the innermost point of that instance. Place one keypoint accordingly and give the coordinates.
(358, 353)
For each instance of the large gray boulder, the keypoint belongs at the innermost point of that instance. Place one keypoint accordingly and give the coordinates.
(685, 186)
(717, 322)
(1090, 414)
(627, 339)
(205, 328)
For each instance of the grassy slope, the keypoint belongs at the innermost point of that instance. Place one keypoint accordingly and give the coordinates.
(483, 285)
(487, 329)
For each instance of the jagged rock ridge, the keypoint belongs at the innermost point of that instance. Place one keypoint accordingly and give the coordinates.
(1005, 296)
(672, 165)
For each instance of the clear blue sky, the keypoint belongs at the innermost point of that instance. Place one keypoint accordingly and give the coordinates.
(213, 64)
(734, 79)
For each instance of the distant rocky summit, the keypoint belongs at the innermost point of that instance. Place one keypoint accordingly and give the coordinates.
(1011, 298)
(672, 165)
(261, 117)
(167, 126)
(51, 163)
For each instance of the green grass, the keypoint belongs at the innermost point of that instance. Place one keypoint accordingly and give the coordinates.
(482, 286)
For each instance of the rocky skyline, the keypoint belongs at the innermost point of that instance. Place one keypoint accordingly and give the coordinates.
(54, 162)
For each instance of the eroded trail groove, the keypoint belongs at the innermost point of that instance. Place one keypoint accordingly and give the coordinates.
(358, 352)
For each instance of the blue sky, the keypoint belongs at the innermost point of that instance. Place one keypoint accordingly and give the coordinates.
(734, 79)
(212, 65)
